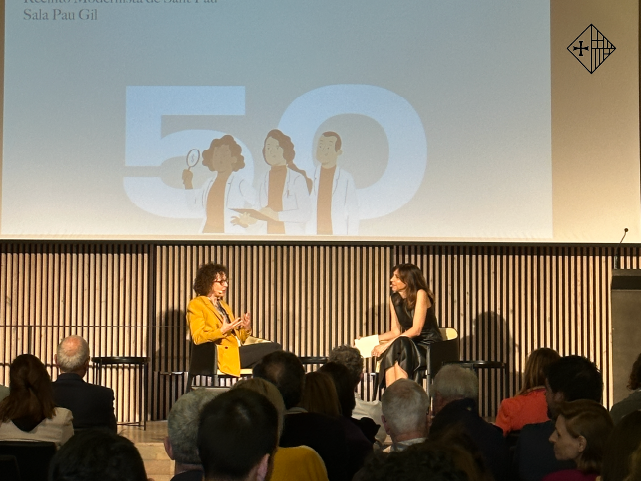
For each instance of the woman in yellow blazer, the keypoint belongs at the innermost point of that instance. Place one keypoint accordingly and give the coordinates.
(210, 319)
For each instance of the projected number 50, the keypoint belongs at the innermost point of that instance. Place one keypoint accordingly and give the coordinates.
(145, 145)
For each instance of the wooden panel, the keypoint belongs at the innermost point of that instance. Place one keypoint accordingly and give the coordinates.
(97, 291)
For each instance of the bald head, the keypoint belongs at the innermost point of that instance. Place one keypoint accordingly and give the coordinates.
(73, 355)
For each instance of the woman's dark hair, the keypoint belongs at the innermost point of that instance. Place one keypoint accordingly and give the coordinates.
(97, 454)
(206, 276)
(624, 439)
(635, 376)
(30, 392)
(342, 378)
(285, 143)
(415, 281)
(234, 148)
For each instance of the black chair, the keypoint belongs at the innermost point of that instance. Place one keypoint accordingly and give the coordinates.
(440, 353)
(204, 362)
(9, 468)
(32, 457)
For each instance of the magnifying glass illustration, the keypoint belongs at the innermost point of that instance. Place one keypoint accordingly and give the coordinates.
(193, 156)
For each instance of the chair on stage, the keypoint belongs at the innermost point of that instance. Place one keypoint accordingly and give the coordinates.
(439, 353)
(32, 458)
(204, 362)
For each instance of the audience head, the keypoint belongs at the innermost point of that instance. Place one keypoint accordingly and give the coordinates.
(623, 441)
(351, 358)
(464, 450)
(405, 410)
(452, 383)
(569, 379)
(634, 382)
(535, 365)
(182, 426)
(285, 371)
(268, 390)
(581, 432)
(343, 382)
(205, 277)
(237, 435)
(635, 466)
(411, 465)
(319, 395)
(73, 355)
(30, 391)
(97, 454)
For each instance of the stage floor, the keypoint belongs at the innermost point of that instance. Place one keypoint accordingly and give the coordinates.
(150, 443)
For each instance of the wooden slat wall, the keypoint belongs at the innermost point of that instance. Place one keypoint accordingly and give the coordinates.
(130, 299)
(98, 291)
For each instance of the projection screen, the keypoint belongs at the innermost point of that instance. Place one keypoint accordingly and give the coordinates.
(420, 120)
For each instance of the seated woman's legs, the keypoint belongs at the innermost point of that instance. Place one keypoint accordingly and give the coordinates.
(394, 373)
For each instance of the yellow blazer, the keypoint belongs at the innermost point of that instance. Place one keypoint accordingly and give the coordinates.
(204, 324)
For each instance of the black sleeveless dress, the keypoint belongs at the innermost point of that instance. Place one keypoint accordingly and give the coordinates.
(409, 352)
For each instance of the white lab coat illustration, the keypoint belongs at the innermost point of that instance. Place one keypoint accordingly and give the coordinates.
(297, 206)
(345, 217)
(239, 194)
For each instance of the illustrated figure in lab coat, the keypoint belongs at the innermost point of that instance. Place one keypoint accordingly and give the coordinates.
(284, 191)
(334, 200)
(224, 191)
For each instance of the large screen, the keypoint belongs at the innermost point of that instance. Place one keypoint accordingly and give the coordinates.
(420, 120)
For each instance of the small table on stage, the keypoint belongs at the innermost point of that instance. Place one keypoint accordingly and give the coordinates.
(139, 362)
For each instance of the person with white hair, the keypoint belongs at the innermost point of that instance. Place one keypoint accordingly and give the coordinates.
(405, 414)
(455, 406)
(92, 406)
(182, 433)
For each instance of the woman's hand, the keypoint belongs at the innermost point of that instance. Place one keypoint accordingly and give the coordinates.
(246, 322)
(379, 350)
(230, 326)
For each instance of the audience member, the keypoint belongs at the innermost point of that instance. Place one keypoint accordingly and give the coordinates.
(412, 465)
(405, 414)
(92, 406)
(97, 454)
(301, 428)
(635, 466)
(633, 401)
(182, 434)
(237, 436)
(29, 412)
(623, 441)
(456, 394)
(369, 413)
(529, 405)
(581, 430)
(357, 443)
(319, 395)
(464, 450)
(568, 379)
(300, 463)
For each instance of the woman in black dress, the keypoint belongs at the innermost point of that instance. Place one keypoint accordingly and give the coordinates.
(413, 326)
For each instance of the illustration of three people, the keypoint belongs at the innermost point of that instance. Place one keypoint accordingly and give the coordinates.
(288, 201)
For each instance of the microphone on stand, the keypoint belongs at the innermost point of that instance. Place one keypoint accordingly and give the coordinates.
(616, 255)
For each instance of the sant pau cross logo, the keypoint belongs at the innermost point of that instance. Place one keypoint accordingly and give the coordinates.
(591, 48)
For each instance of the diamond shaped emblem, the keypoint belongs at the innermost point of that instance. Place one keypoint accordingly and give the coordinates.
(591, 48)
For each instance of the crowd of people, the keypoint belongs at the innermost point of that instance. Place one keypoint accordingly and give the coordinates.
(285, 423)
